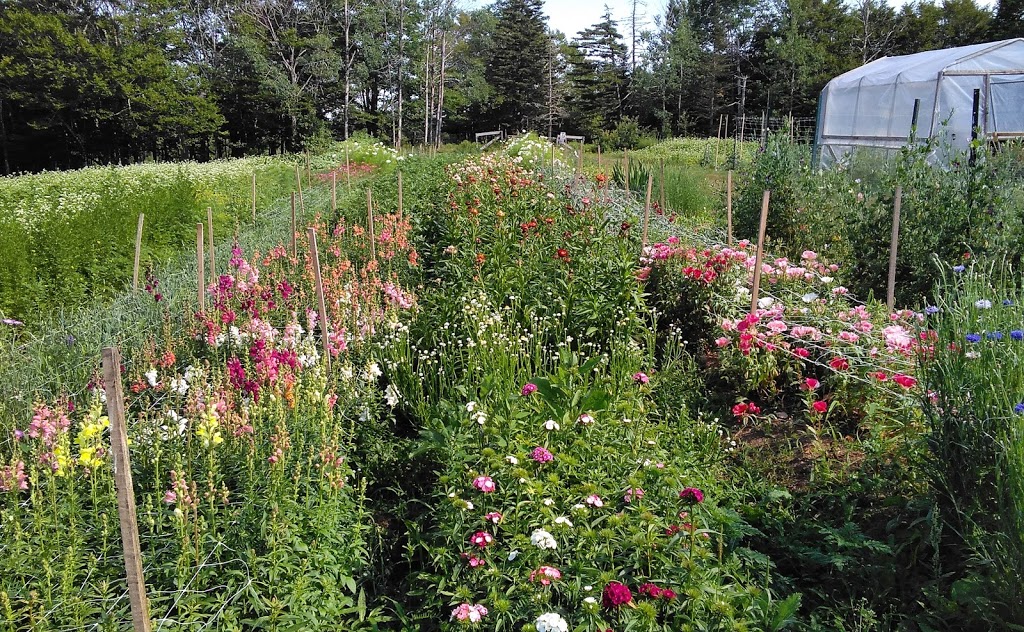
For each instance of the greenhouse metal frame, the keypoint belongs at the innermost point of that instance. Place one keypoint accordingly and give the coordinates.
(951, 93)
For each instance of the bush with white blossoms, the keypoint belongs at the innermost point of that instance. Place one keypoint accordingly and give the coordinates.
(551, 622)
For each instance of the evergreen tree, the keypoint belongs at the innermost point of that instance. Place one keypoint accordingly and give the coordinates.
(517, 64)
(598, 76)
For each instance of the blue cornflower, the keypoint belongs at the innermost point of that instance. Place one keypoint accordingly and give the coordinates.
(994, 335)
(983, 303)
(973, 337)
(959, 268)
(1019, 408)
(1017, 334)
(931, 309)
(1007, 302)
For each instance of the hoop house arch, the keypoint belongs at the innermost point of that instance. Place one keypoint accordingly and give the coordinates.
(874, 106)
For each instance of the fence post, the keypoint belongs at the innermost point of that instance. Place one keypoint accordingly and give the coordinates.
(298, 183)
(370, 223)
(626, 171)
(661, 186)
(254, 198)
(400, 204)
(760, 251)
(309, 172)
(600, 165)
(334, 191)
(138, 253)
(728, 207)
(125, 490)
(890, 296)
(647, 211)
(200, 272)
(209, 238)
(325, 330)
(348, 172)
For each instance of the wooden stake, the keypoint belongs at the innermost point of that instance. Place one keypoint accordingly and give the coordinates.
(626, 171)
(760, 251)
(295, 247)
(200, 272)
(370, 223)
(552, 159)
(125, 490)
(718, 140)
(309, 172)
(579, 161)
(254, 197)
(600, 165)
(298, 182)
(138, 253)
(661, 186)
(647, 210)
(728, 208)
(890, 297)
(334, 191)
(209, 239)
(400, 205)
(325, 329)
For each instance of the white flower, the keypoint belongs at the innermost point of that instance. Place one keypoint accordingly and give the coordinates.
(595, 501)
(809, 297)
(373, 370)
(588, 588)
(548, 502)
(562, 520)
(513, 554)
(511, 459)
(551, 622)
(585, 419)
(551, 424)
(392, 396)
(470, 406)
(826, 279)
(179, 386)
(766, 302)
(151, 377)
(469, 505)
(983, 303)
(480, 417)
(590, 600)
(542, 540)
(346, 373)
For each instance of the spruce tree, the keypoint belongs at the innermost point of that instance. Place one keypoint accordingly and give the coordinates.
(517, 64)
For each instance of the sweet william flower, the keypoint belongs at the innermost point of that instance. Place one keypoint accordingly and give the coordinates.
(691, 495)
(641, 378)
(528, 389)
(481, 539)
(484, 484)
(541, 454)
(616, 594)
(494, 516)
(633, 492)
(543, 540)
(545, 575)
(585, 419)
(551, 424)
(551, 622)
(595, 501)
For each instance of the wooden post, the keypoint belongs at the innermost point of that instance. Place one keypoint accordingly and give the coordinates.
(209, 239)
(138, 253)
(552, 159)
(579, 161)
(200, 272)
(298, 182)
(890, 297)
(728, 208)
(334, 191)
(295, 248)
(647, 210)
(661, 186)
(370, 224)
(718, 141)
(254, 197)
(625, 170)
(400, 204)
(125, 490)
(325, 330)
(600, 165)
(760, 251)
(348, 172)
(309, 172)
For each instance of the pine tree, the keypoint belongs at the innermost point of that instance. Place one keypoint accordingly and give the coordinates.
(599, 76)
(517, 63)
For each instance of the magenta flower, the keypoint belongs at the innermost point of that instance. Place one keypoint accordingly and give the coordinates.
(691, 495)
(641, 378)
(633, 493)
(481, 539)
(484, 484)
(494, 516)
(528, 389)
(616, 594)
(473, 613)
(545, 575)
(542, 455)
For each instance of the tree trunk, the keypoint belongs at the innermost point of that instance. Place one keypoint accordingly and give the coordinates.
(3, 140)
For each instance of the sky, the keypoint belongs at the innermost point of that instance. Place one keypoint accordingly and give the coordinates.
(572, 16)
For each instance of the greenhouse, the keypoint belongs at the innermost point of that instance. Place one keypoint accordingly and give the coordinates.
(947, 93)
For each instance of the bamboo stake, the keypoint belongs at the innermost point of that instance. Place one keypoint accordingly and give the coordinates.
(647, 211)
(298, 182)
(209, 238)
(348, 172)
(138, 253)
(200, 272)
(370, 223)
(295, 247)
(400, 205)
(334, 191)
(325, 330)
(254, 197)
(661, 186)
(125, 490)
(760, 251)
(728, 208)
(890, 297)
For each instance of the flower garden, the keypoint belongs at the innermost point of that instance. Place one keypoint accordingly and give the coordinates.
(520, 415)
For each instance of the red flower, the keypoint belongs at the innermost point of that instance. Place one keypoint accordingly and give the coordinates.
(879, 375)
(839, 364)
(691, 495)
(562, 254)
(820, 406)
(801, 352)
(810, 384)
(616, 594)
(740, 410)
(904, 380)
(650, 590)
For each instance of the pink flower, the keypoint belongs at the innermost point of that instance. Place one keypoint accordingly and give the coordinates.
(595, 501)
(585, 419)
(473, 613)
(809, 255)
(546, 575)
(650, 590)
(896, 337)
(801, 352)
(616, 594)
(482, 539)
(528, 389)
(819, 406)
(494, 516)
(777, 326)
(170, 497)
(839, 364)
(473, 560)
(723, 341)
(633, 492)
(849, 336)
(691, 495)
(641, 378)
(484, 484)
(904, 380)
(810, 384)
(541, 454)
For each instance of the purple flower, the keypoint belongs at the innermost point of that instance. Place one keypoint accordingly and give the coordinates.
(931, 310)
(994, 335)
(11, 322)
(959, 268)
(1019, 408)
(542, 455)
(528, 389)
(973, 337)
(691, 495)
(1017, 334)
(641, 378)
(1007, 302)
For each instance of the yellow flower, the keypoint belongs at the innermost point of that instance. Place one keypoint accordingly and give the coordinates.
(209, 430)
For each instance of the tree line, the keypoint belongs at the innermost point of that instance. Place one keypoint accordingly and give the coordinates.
(114, 81)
